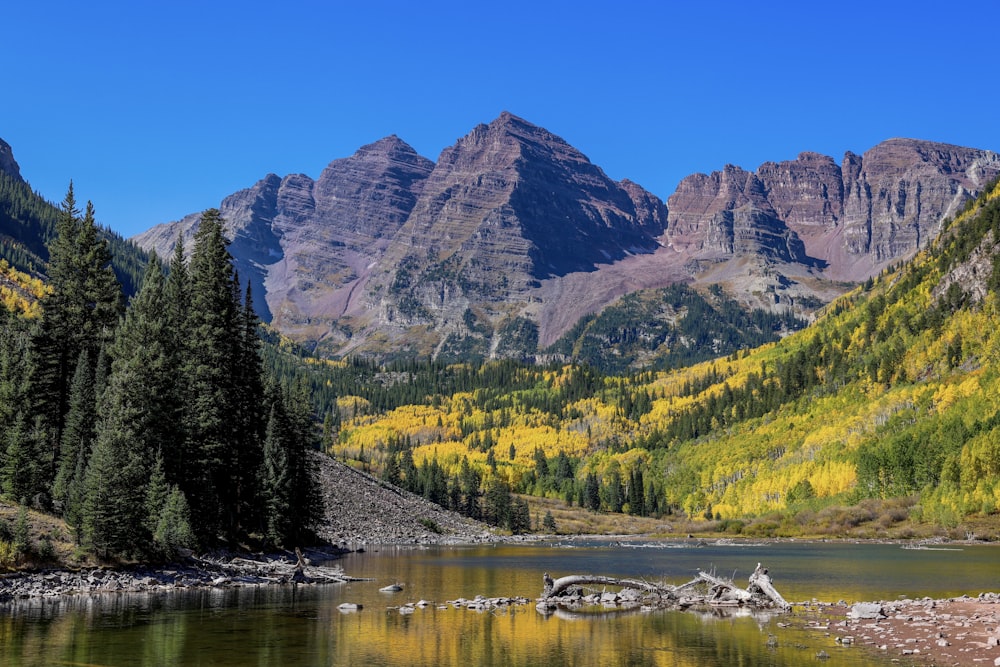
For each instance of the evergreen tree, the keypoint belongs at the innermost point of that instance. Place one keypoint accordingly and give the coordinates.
(592, 493)
(157, 491)
(614, 493)
(408, 471)
(469, 488)
(23, 475)
(77, 441)
(173, 530)
(115, 482)
(390, 472)
(636, 494)
(79, 314)
(497, 503)
(168, 520)
(135, 425)
(290, 494)
(307, 502)
(248, 421)
(276, 480)
(15, 406)
(519, 518)
(15, 366)
(210, 355)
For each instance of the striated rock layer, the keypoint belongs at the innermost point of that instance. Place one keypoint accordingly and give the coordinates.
(512, 235)
(850, 220)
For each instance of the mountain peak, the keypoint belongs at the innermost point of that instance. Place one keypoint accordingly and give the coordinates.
(387, 144)
(8, 164)
(508, 120)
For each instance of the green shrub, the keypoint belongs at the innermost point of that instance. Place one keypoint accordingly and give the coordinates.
(430, 525)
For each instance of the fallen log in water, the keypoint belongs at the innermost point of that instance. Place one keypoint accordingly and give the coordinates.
(704, 590)
(558, 586)
(273, 570)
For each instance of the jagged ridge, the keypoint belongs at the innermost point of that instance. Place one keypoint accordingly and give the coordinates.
(513, 229)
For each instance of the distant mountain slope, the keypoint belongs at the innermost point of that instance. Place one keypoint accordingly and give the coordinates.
(502, 245)
(27, 224)
(670, 327)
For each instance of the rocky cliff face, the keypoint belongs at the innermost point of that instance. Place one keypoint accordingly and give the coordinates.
(850, 219)
(512, 235)
(509, 205)
(7, 163)
(305, 244)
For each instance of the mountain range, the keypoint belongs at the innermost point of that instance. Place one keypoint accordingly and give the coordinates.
(502, 245)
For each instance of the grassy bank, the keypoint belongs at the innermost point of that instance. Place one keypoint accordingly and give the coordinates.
(871, 519)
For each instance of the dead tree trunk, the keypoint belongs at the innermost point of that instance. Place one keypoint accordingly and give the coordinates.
(724, 592)
(760, 581)
(720, 592)
(554, 588)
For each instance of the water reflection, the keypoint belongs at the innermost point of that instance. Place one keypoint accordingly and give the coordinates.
(304, 626)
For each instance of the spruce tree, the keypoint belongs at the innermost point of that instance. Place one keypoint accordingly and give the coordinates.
(276, 478)
(168, 518)
(79, 314)
(176, 303)
(290, 494)
(157, 490)
(77, 441)
(469, 486)
(116, 479)
(135, 425)
(408, 471)
(497, 503)
(248, 419)
(305, 493)
(390, 471)
(173, 530)
(23, 473)
(212, 335)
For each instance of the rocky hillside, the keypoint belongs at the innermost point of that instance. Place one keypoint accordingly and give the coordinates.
(360, 508)
(500, 246)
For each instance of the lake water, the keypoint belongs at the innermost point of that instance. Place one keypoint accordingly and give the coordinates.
(288, 627)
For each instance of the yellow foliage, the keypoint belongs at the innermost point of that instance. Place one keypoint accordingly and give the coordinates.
(19, 292)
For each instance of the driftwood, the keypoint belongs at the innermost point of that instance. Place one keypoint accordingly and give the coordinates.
(276, 570)
(558, 586)
(704, 590)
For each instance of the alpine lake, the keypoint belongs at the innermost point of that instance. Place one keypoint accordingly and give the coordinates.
(303, 625)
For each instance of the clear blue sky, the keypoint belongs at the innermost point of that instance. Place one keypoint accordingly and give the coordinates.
(158, 109)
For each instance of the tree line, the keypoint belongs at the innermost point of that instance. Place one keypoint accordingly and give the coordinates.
(154, 426)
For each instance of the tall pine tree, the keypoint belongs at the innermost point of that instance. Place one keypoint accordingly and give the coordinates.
(78, 315)
(134, 425)
(224, 420)
(76, 443)
(291, 498)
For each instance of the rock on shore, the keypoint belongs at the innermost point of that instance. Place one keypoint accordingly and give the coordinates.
(205, 572)
(960, 631)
